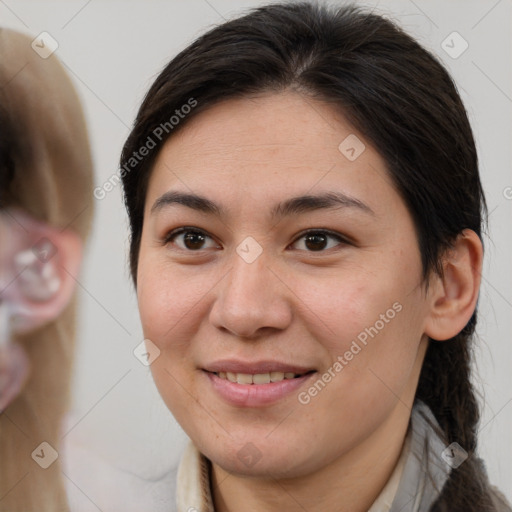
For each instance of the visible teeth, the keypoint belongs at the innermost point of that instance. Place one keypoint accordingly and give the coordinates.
(258, 378)
(276, 376)
(261, 378)
(244, 378)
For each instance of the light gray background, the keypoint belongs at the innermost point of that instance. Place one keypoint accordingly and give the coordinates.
(113, 51)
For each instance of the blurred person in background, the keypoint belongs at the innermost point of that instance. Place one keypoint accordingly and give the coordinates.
(46, 182)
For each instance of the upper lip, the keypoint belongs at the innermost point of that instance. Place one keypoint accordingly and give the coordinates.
(255, 367)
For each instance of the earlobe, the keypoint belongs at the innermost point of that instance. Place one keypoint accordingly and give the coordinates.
(454, 295)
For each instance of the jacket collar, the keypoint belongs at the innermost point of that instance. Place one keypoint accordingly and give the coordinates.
(427, 466)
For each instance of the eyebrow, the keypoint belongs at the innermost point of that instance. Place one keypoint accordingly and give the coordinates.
(293, 206)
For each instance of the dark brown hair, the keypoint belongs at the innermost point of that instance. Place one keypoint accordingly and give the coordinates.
(404, 102)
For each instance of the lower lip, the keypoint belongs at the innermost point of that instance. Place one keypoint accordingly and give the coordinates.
(255, 395)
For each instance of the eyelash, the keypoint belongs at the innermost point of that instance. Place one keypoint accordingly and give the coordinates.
(188, 229)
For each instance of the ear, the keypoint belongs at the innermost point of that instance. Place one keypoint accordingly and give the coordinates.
(453, 296)
(45, 265)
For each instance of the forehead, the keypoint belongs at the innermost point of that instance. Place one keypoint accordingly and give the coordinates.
(270, 128)
(263, 147)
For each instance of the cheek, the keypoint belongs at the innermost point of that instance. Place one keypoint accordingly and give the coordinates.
(169, 301)
(377, 354)
(341, 306)
(170, 307)
(373, 320)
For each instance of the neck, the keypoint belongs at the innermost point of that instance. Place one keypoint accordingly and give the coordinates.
(350, 484)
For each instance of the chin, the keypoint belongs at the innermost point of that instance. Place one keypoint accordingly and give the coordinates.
(257, 457)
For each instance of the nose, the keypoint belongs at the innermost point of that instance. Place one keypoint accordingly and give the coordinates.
(252, 300)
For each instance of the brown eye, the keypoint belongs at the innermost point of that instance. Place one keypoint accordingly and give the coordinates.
(188, 239)
(193, 240)
(315, 241)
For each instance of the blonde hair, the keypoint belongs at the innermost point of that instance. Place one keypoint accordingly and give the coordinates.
(53, 182)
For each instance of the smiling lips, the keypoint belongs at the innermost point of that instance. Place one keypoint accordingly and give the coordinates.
(255, 384)
(261, 372)
(258, 378)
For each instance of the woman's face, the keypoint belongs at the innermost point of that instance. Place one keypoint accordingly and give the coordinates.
(275, 245)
